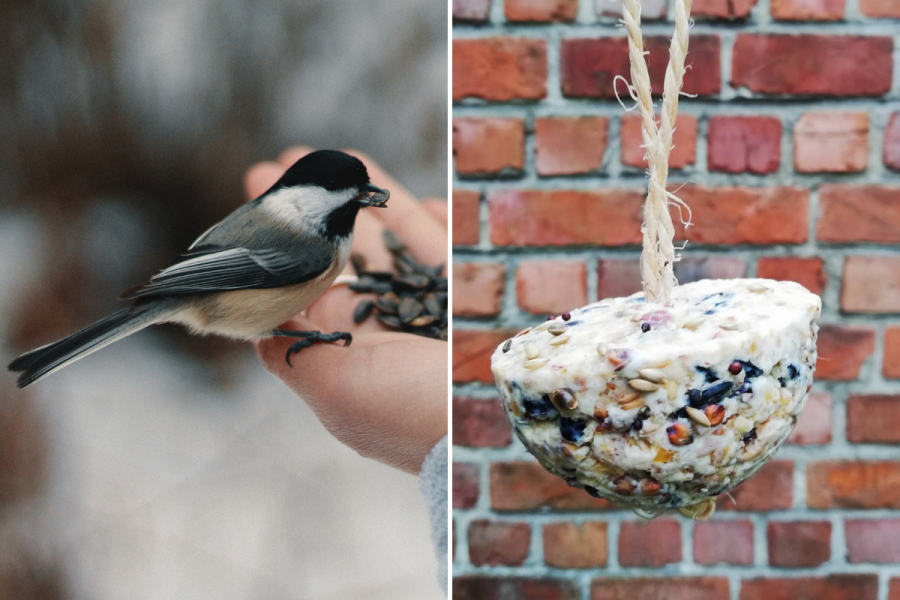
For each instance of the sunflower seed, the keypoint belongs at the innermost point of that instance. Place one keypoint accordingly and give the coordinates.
(359, 263)
(409, 309)
(433, 306)
(387, 304)
(391, 321)
(392, 242)
(363, 310)
(422, 321)
(532, 350)
(643, 385)
(556, 328)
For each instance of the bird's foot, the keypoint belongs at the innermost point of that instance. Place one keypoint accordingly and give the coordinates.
(308, 338)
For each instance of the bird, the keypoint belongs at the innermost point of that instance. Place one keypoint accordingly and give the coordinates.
(263, 264)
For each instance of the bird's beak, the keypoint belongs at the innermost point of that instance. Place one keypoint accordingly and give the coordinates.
(378, 197)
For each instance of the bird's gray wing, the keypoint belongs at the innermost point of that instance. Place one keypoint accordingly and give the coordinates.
(211, 269)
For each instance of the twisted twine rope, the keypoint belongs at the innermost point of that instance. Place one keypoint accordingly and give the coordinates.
(658, 250)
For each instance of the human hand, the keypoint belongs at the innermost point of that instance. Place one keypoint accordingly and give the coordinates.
(385, 396)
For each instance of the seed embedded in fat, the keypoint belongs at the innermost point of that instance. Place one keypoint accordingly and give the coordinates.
(506, 346)
(536, 363)
(643, 385)
(557, 329)
(697, 416)
(693, 323)
(742, 424)
(560, 340)
(654, 375)
(628, 398)
(602, 350)
(758, 288)
(636, 403)
(729, 325)
(532, 350)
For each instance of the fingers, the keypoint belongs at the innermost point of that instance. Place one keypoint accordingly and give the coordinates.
(437, 208)
(424, 235)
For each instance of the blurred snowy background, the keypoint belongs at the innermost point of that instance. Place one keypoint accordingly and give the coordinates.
(168, 466)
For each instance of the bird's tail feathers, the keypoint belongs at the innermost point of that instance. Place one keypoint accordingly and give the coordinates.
(39, 363)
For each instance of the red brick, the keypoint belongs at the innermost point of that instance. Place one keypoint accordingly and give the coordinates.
(880, 8)
(488, 145)
(831, 142)
(569, 145)
(808, 272)
(853, 484)
(735, 215)
(477, 289)
(814, 425)
(859, 213)
(894, 589)
(589, 66)
(617, 278)
(649, 543)
(832, 587)
(522, 486)
(465, 217)
(559, 218)
(498, 543)
(807, 10)
(482, 587)
(551, 286)
(500, 69)
(660, 588)
(465, 485)
(571, 546)
(772, 488)
(480, 423)
(872, 540)
(472, 351)
(684, 142)
(873, 419)
(728, 542)
(891, 148)
(871, 284)
(688, 270)
(799, 544)
(812, 64)
(843, 349)
(471, 10)
(722, 9)
(541, 10)
(891, 367)
(744, 144)
(651, 10)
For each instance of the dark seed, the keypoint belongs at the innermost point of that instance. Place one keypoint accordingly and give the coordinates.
(570, 429)
(645, 327)
(409, 309)
(392, 242)
(441, 298)
(708, 373)
(752, 370)
(566, 316)
(387, 304)
(644, 413)
(681, 413)
(442, 334)
(782, 381)
(363, 310)
(637, 425)
(793, 372)
(564, 398)
(434, 272)
(592, 491)
(735, 367)
(746, 388)
(716, 392)
(750, 437)
(433, 306)
(506, 346)
(540, 408)
(404, 267)
(379, 275)
(411, 282)
(440, 284)
(695, 398)
(391, 321)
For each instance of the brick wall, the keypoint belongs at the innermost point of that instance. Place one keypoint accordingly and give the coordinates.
(791, 156)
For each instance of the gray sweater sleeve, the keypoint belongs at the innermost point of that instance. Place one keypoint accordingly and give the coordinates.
(433, 484)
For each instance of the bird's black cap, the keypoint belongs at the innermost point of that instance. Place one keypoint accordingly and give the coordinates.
(330, 169)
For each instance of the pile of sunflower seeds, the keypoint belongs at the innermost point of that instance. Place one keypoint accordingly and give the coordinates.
(413, 300)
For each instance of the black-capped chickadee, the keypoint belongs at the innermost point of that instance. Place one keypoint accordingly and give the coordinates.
(264, 263)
